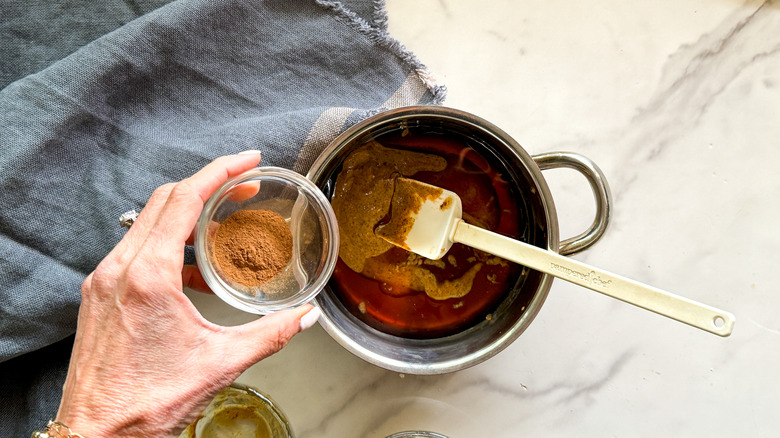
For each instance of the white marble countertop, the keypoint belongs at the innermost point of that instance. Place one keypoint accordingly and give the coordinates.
(679, 104)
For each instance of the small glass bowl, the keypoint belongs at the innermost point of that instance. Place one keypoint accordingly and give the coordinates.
(314, 231)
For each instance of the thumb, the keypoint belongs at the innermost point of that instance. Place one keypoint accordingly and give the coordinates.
(263, 337)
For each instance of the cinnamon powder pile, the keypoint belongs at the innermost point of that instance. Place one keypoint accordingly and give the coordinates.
(253, 246)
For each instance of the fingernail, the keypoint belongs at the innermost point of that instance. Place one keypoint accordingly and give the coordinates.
(250, 152)
(310, 318)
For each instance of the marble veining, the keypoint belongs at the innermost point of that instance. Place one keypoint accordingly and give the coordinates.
(678, 103)
(695, 75)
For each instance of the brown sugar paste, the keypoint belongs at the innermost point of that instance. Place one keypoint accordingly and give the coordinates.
(362, 198)
(408, 198)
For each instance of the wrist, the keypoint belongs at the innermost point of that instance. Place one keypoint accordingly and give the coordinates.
(56, 429)
(78, 422)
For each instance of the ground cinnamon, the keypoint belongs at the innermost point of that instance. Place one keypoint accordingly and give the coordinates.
(253, 246)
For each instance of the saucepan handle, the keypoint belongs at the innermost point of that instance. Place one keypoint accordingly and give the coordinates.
(601, 192)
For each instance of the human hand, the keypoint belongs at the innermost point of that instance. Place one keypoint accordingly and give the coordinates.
(145, 362)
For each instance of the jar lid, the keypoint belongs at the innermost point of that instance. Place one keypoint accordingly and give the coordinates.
(416, 434)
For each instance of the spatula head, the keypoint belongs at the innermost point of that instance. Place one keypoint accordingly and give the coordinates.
(422, 218)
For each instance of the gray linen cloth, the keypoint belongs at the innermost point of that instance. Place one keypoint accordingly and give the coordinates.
(168, 88)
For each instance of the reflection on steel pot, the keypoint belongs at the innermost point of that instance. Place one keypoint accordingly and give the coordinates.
(455, 330)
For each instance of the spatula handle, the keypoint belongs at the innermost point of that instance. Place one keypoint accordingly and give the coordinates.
(647, 297)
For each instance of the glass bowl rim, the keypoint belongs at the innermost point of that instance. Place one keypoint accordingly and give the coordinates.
(321, 204)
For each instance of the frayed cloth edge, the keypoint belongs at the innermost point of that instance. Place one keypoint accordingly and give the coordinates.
(376, 31)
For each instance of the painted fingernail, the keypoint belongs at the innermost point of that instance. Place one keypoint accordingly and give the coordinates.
(310, 318)
(250, 152)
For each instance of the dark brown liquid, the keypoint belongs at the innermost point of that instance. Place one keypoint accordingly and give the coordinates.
(489, 202)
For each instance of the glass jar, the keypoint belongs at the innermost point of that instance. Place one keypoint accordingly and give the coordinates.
(240, 411)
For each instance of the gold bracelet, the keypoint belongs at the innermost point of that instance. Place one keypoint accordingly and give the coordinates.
(55, 429)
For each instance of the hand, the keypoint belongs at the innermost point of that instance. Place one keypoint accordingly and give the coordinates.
(145, 362)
